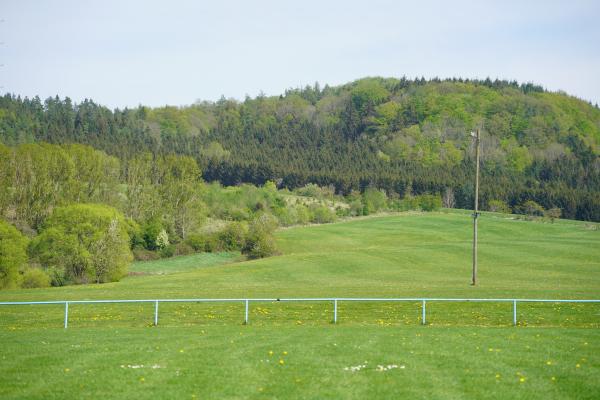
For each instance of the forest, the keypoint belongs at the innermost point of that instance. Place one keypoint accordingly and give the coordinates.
(85, 189)
(399, 135)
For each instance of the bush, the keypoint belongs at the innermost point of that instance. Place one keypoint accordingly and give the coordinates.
(196, 242)
(57, 276)
(35, 278)
(182, 249)
(498, 206)
(167, 251)
(150, 232)
(260, 242)
(207, 242)
(356, 208)
(374, 200)
(406, 204)
(142, 254)
(553, 213)
(302, 214)
(233, 236)
(162, 240)
(265, 222)
(342, 211)
(13, 254)
(321, 214)
(213, 244)
(287, 216)
(85, 243)
(531, 208)
(237, 214)
(429, 202)
(135, 234)
(310, 190)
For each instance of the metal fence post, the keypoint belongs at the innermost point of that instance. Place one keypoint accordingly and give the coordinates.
(66, 314)
(246, 313)
(424, 319)
(515, 312)
(156, 313)
(335, 311)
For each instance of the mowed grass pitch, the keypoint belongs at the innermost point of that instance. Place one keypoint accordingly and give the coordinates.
(293, 351)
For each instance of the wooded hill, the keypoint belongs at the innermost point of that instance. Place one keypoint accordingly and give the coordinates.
(407, 137)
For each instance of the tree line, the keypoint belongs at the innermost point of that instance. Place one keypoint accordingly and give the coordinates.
(405, 136)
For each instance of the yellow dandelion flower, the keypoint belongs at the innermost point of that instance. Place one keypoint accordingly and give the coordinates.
(181, 351)
(285, 353)
(577, 366)
(522, 379)
(281, 362)
(548, 362)
(67, 369)
(554, 378)
(270, 352)
(142, 379)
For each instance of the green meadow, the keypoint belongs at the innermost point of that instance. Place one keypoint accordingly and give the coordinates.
(292, 350)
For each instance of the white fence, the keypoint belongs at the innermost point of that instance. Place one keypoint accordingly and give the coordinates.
(335, 302)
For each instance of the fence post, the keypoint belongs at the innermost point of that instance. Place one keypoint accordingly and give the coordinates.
(66, 314)
(515, 312)
(156, 313)
(246, 313)
(424, 319)
(335, 311)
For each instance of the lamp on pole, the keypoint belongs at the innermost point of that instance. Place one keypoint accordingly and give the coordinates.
(476, 136)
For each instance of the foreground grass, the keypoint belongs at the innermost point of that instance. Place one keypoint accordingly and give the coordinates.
(231, 362)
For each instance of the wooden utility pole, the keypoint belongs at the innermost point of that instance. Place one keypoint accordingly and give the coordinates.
(476, 208)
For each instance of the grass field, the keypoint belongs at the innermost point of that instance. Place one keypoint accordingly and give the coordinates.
(183, 264)
(293, 350)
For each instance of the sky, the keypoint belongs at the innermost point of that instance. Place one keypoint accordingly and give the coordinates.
(125, 53)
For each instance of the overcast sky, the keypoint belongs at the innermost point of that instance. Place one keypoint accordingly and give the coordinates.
(125, 53)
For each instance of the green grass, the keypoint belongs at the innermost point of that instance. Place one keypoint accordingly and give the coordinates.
(183, 263)
(203, 350)
(233, 362)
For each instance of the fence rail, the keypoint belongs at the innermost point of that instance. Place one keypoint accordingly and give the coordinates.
(334, 300)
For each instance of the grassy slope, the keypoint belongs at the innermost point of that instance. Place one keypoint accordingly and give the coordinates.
(204, 352)
(406, 255)
(183, 263)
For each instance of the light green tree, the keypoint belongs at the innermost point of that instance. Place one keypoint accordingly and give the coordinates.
(95, 174)
(178, 187)
(42, 180)
(83, 243)
(6, 177)
(13, 254)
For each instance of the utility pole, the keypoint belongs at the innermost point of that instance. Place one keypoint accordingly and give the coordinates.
(476, 207)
